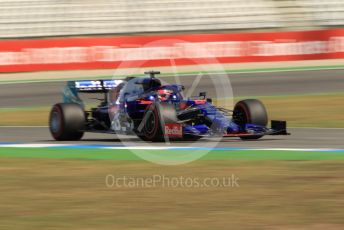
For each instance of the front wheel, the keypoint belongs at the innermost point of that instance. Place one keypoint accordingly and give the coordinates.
(250, 111)
(151, 127)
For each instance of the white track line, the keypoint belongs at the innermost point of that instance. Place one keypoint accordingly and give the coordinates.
(33, 145)
(40, 145)
(140, 147)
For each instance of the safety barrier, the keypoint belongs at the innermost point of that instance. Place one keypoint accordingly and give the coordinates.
(146, 51)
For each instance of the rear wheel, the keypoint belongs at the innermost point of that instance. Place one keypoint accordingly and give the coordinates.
(250, 111)
(67, 121)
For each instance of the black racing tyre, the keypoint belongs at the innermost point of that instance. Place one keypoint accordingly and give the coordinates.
(250, 111)
(67, 122)
(155, 117)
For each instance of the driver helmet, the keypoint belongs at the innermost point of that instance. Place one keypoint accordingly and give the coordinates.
(165, 94)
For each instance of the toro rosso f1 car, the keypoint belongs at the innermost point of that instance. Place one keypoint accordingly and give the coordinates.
(142, 106)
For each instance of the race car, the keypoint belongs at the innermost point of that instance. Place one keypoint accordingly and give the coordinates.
(142, 106)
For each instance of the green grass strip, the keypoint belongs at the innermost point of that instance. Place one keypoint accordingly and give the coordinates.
(109, 154)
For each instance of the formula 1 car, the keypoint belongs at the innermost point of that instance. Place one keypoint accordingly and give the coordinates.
(142, 106)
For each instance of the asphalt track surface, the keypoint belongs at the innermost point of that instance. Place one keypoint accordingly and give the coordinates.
(244, 85)
(300, 138)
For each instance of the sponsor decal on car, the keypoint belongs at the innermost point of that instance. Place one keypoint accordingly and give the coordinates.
(174, 130)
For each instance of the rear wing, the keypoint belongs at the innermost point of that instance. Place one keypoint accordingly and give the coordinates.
(94, 86)
(71, 92)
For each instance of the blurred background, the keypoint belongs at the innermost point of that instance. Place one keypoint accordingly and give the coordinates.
(46, 18)
(259, 44)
